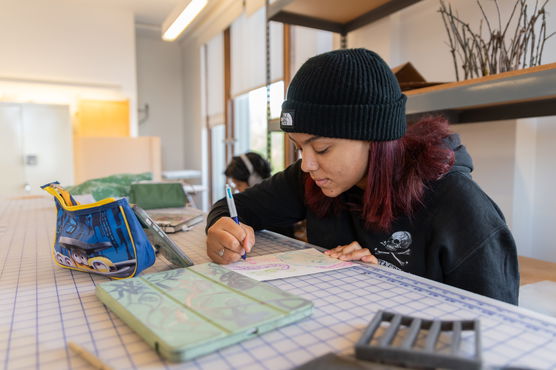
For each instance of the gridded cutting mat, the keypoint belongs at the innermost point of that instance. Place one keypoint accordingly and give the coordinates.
(44, 306)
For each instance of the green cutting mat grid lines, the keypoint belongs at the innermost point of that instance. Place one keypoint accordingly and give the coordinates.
(44, 306)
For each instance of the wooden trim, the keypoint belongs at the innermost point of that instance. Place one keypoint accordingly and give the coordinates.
(473, 81)
(289, 150)
(287, 56)
(529, 92)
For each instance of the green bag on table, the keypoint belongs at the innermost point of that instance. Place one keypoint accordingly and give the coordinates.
(158, 195)
(114, 186)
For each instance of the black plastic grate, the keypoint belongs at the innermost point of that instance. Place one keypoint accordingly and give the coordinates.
(396, 343)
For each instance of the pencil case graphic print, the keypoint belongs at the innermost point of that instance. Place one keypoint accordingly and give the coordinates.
(104, 238)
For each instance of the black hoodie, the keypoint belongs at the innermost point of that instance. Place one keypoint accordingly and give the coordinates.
(458, 237)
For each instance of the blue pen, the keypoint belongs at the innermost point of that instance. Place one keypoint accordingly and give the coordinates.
(232, 209)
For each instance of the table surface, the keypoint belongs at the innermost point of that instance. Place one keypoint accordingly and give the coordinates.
(44, 306)
(533, 270)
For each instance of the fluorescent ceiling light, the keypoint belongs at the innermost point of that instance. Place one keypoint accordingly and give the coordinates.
(174, 26)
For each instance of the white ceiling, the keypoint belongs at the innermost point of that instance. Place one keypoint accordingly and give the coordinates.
(152, 12)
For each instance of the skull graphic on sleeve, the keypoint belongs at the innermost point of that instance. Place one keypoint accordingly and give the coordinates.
(397, 245)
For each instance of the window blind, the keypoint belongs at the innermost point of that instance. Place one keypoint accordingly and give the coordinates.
(248, 52)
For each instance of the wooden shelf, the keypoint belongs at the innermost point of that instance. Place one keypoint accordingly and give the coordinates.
(333, 15)
(525, 93)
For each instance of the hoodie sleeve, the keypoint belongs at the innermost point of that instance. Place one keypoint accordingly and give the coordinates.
(491, 269)
(471, 243)
(277, 201)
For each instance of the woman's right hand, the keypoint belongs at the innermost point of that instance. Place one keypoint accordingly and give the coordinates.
(228, 241)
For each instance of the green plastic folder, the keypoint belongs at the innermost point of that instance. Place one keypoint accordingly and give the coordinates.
(157, 195)
(189, 312)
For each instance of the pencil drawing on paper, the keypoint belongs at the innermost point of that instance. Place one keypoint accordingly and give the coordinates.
(287, 264)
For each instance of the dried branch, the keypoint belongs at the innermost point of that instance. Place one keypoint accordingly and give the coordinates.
(452, 43)
(478, 56)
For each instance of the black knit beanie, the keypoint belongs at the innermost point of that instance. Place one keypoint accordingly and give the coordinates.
(349, 94)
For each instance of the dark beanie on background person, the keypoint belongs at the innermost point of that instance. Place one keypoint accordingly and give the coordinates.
(348, 94)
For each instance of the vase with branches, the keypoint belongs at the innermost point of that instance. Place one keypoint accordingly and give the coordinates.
(511, 45)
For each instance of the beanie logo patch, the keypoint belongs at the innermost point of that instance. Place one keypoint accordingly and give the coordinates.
(286, 120)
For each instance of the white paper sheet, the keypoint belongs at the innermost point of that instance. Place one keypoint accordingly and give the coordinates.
(287, 264)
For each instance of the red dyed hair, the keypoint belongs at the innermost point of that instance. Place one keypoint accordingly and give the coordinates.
(397, 174)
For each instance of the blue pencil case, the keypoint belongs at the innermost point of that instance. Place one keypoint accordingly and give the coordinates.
(104, 237)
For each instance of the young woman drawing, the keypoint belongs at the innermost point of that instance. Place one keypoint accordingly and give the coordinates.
(372, 189)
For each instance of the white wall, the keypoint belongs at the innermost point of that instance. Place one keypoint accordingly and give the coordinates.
(192, 104)
(160, 85)
(524, 184)
(492, 147)
(58, 51)
(544, 200)
(195, 126)
(513, 159)
(169, 80)
(375, 36)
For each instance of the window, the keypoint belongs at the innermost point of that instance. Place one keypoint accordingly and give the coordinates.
(217, 137)
(251, 126)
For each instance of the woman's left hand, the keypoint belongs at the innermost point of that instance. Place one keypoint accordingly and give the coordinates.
(352, 252)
